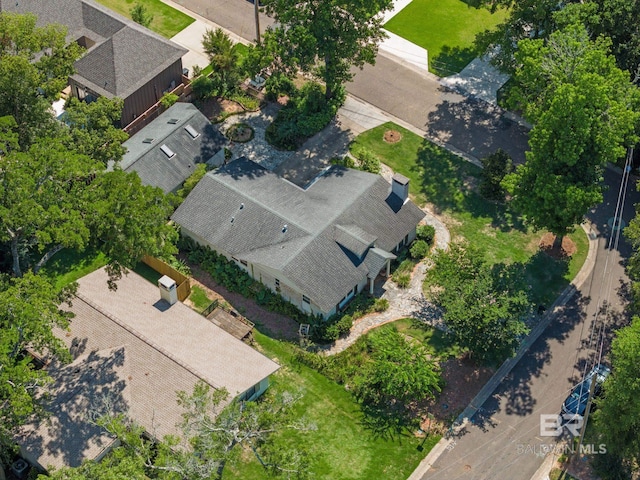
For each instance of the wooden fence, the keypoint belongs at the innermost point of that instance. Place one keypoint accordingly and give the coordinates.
(184, 286)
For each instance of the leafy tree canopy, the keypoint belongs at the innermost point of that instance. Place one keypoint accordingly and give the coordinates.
(483, 306)
(585, 113)
(35, 63)
(618, 414)
(28, 313)
(326, 37)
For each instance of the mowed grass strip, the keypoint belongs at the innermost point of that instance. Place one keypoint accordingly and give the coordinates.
(341, 447)
(167, 21)
(446, 29)
(448, 185)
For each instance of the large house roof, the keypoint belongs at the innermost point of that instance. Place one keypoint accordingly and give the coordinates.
(132, 352)
(318, 237)
(124, 55)
(175, 128)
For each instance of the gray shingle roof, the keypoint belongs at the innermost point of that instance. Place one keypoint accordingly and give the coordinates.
(329, 226)
(145, 157)
(125, 55)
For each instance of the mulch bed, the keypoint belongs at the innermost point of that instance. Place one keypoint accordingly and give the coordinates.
(547, 246)
(392, 136)
(272, 324)
(212, 108)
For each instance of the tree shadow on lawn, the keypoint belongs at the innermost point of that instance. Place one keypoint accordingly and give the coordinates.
(387, 422)
(450, 183)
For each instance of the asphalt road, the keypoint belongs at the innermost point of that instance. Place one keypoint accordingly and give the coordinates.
(471, 126)
(503, 440)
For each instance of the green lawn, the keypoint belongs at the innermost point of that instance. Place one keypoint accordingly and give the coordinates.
(167, 21)
(445, 181)
(446, 29)
(341, 447)
(199, 298)
(67, 265)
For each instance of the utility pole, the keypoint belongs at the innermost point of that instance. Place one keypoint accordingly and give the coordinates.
(256, 13)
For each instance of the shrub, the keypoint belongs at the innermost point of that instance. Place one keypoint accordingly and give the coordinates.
(426, 233)
(419, 249)
(381, 305)
(403, 280)
(496, 166)
(336, 328)
(305, 115)
(203, 87)
(278, 84)
(369, 162)
(345, 161)
(246, 101)
(193, 179)
(168, 99)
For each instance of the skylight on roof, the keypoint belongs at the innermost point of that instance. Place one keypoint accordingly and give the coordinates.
(148, 140)
(167, 151)
(192, 131)
(173, 121)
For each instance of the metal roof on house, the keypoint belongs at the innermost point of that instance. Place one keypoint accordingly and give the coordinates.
(133, 352)
(125, 55)
(329, 226)
(175, 130)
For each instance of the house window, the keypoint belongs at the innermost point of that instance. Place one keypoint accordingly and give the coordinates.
(355, 289)
(306, 299)
(249, 393)
(277, 283)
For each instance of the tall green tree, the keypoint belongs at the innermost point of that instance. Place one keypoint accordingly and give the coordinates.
(585, 112)
(483, 306)
(215, 434)
(224, 59)
(618, 413)
(400, 372)
(52, 198)
(93, 129)
(35, 63)
(326, 37)
(28, 313)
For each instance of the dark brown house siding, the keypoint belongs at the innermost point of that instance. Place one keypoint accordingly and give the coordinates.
(146, 96)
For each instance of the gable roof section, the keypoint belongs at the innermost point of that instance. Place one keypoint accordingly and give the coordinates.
(329, 226)
(125, 55)
(145, 157)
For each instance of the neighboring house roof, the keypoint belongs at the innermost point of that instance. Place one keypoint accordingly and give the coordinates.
(175, 128)
(134, 351)
(317, 237)
(124, 55)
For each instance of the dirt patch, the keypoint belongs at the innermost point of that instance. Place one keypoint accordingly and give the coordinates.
(392, 136)
(463, 380)
(547, 245)
(214, 108)
(272, 324)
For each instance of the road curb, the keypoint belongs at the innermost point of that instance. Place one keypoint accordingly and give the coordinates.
(465, 417)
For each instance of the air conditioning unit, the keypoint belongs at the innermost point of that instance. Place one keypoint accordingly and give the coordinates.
(19, 468)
